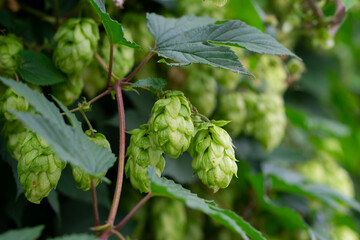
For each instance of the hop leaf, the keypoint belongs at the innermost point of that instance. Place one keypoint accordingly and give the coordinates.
(82, 179)
(10, 60)
(266, 118)
(67, 92)
(142, 154)
(76, 42)
(170, 124)
(213, 155)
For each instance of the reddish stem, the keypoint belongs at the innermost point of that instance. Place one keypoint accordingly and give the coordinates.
(95, 203)
(119, 181)
(338, 18)
(133, 211)
(111, 60)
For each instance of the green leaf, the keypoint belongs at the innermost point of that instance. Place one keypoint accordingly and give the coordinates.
(348, 3)
(31, 233)
(167, 188)
(69, 142)
(155, 84)
(75, 237)
(193, 39)
(113, 29)
(53, 199)
(38, 69)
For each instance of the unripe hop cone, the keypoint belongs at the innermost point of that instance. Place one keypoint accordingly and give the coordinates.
(169, 219)
(12, 101)
(10, 60)
(213, 155)
(142, 154)
(76, 42)
(201, 89)
(69, 91)
(266, 118)
(171, 126)
(82, 179)
(232, 108)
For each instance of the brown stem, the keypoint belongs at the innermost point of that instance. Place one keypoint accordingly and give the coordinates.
(120, 176)
(95, 203)
(104, 65)
(133, 211)
(111, 61)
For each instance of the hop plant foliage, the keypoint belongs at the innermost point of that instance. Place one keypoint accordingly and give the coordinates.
(169, 219)
(213, 155)
(171, 126)
(10, 47)
(76, 40)
(266, 120)
(82, 179)
(142, 154)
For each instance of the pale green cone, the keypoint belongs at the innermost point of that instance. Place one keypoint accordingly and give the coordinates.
(227, 79)
(11, 101)
(232, 108)
(94, 79)
(266, 120)
(218, 3)
(169, 219)
(213, 155)
(171, 126)
(201, 89)
(202, 8)
(69, 91)
(82, 179)
(39, 169)
(142, 154)
(76, 42)
(10, 47)
(15, 133)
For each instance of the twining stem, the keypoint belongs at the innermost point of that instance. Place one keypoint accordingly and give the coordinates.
(111, 61)
(120, 176)
(318, 13)
(338, 18)
(57, 12)
(38, 13)
(95, 203)
(103, 64)
(133, 211)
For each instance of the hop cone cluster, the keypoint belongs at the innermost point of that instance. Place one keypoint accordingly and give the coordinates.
(170, 124)
(201, 90)
(204, 8)
(142, 154)
(213, 155)
(232, 107)
(10, 60)
(82, 179)
(266, 118)
(169, 219)
(67, 92)
(76, 42)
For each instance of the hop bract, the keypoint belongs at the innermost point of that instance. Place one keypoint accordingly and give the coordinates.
(69, 91)
(76, 42)
(266, 120)
(170, 124)
(82, 179)
(10, 47)
(12, 101)
(142, 154)
(213, 155)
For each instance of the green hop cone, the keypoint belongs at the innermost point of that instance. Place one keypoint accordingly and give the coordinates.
(219, 3)
(295, 68)
(201, 90)
(94, 79)
(202, 8)
(266, 120)
(227, 79)
(124, 57)
(12, 101)
(171, 126)
(69, 91)
(76, 42)
(142, 154)
(213, 155)
(232, 108)
(39, 169)
(15, 134)
(169, 219)
(82, 179)
(10, 60)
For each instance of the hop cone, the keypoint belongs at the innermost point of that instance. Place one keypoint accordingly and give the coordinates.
(124, 57)
(232, 107)
(82, 179)
(39, 169)
(266, 118)
(170, 124)
(12, 101)
(201, 90)
(205, 8)
(94, 79)
(10, 47)
(169, 219)
(142, 154)
(15, 133)
(219, 3)
(227, 79)
(69, 91)
(76, 42)
(213, 155)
